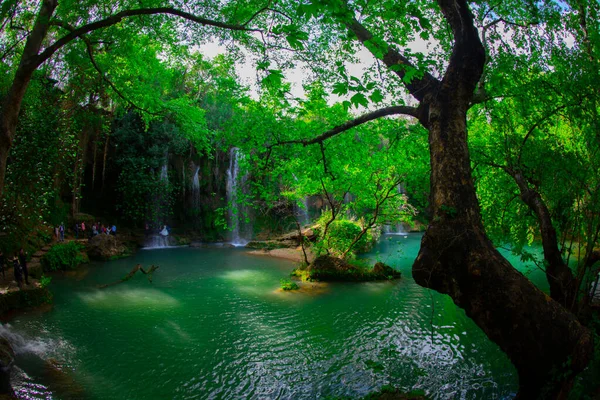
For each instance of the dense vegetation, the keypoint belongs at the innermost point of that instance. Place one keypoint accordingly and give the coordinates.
(113, 110)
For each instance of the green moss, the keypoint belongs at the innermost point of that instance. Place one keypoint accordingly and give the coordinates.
(331, 269)
(20, 299)
(267, 245)
(287, 284)
(301, 273)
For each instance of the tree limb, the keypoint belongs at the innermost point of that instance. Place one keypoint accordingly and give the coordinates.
(394, 110)
(115, 19)
(131, 274)
(90, 52)
(418, 87)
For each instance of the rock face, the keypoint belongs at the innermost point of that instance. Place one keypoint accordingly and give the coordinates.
(327, 268)
(105, 247)
(7, 357)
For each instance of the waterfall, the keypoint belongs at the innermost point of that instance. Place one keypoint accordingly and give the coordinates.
(196, 189)
(302, 212)
(161, 208)
(158, 242)
(164, 172)
(21, 345)
(395, 229)
(235, 186)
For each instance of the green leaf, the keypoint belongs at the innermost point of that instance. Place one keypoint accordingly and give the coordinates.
(359, 99)
(340, 88)
(376, 96)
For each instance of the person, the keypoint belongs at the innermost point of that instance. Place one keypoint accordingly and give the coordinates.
(146, 230)
(76, 230)
(165, 231)
(18, 272)
(2, 264)
(23, 262)
(61, 230)
(83, 229)
(113, 230)
(56, 234)
(94, 230)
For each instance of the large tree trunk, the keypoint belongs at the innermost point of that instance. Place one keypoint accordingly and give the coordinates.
(544, 340)
(541, 337)
(559, 275)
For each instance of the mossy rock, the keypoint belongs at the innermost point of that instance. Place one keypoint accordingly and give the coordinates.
(21, 299)
(268, 245)
(328, 269)
(182, 240)
(106, 247)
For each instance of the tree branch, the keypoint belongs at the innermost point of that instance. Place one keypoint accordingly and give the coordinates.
(394, 110)
(90, 52)
(535, 126)
(115, 19)
(418, 87)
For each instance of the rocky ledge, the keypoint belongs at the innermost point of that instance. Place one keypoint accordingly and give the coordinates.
(328, 269)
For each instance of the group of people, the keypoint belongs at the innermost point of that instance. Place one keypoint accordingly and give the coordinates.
(80, 229)
(19, 262)
(98, 229)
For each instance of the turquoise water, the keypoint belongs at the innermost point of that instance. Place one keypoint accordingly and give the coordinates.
(214, 325)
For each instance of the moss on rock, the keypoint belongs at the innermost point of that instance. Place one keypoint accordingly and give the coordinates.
(328, 269)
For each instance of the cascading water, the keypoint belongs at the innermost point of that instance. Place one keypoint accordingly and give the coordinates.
(302, 212)
(157, 241)
(196, 189)
(164, 173)
(21, 345)
(237, 210)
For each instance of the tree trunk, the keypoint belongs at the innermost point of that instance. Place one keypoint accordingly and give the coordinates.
(544, 341)
(11, 106)
(559, 275)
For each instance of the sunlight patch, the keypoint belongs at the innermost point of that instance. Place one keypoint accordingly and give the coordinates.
(129, 299)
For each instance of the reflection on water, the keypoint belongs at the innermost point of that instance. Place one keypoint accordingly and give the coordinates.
(128, 298)
(214, 325)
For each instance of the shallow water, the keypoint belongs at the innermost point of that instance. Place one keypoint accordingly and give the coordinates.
(214, 325)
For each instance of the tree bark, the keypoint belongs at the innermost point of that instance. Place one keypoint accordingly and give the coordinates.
(545, 342)
(11, 105)
(559, 275)
(456, 258)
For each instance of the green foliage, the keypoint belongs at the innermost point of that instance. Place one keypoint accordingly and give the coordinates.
(147, 194)
(45, 281)
(64, 256)
(287, 284)
(302, 273)
(340, 236)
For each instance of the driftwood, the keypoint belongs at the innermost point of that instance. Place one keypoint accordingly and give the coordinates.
(131, 273)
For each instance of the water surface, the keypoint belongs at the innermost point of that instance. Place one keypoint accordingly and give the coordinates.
(213, 324)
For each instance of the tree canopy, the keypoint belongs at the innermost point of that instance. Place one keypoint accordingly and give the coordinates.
(503, 96)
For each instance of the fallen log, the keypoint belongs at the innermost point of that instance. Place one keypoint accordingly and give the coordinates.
(131, 273)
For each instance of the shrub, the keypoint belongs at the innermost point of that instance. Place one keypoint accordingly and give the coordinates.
(340, 235)
(287, 284)
(64, 256)
(45, 281)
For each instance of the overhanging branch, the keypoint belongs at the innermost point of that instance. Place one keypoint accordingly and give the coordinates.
(90, 51)
(115, 19)
(394, 110)
(418, 87)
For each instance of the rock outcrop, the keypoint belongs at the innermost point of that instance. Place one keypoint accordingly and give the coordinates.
(105, 247)
(327, 268)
